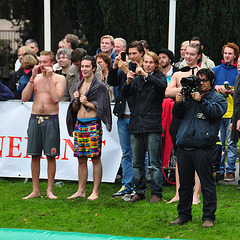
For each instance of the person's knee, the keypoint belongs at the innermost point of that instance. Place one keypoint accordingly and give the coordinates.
(96, 160)
(82, 161)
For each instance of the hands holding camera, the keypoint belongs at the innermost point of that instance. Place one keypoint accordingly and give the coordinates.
(195, 95)
(121, 63)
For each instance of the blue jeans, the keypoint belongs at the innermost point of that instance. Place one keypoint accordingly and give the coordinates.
(232, 147)
(126, 162)
(140, 144)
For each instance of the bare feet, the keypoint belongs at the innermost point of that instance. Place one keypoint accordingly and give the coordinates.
(174, 199)
(51, 195)
(93, 196)
(77, 195)
(32, 195)
(196, 200)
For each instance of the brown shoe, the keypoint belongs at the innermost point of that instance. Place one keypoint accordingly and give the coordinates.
(178, 221)
(230, 176)
(137, 197)
(207, 224)
(155, 198)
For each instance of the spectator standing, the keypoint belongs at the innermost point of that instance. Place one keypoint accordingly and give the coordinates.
(192, 55)
(200, 121)
(117, 77)
(89, 106)
(227, 73)
(105, 61)
(14, 81)
(146, 45)
(63, 57)
(147, 86)
(166, 58)
(107, 46)
(33, 45)
(182, 52)
(43, 130)
(75, 75)
(235, 125)
(71, 42)
(27, 64)
(204, 61)
(120, 45)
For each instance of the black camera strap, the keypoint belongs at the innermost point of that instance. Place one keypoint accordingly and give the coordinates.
(193, 70)
(187, 68)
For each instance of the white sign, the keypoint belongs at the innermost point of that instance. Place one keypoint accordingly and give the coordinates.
(14, 161)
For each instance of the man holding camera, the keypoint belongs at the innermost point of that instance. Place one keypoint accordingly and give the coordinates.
(147, 86)
(201, 118)
(117, 77)
(192, 55)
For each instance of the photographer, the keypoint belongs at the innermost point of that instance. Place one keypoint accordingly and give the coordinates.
(201, 117)
(192, 55)
(117, 77)
(147, 86)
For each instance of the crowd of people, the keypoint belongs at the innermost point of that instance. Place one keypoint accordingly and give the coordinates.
(162, 106)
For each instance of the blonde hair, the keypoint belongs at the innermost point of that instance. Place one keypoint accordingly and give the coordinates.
(25, 49)
(107, 36)
(185, 43)
(48, 53)
(28, 61)
(155, 58)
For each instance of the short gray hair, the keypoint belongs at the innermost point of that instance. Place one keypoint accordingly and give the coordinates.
(121, 39)
(63, 51)
(31, 41)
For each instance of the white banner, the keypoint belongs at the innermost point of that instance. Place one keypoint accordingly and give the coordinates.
(14, 162)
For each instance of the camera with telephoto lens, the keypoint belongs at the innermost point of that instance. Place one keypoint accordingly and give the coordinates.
(189, 85)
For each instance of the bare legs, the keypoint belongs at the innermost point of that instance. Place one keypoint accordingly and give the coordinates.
(176, 197)
(196, 195)
(82, 178)
(97, 177)
(51, 176)
(35, 168)
(83, 175)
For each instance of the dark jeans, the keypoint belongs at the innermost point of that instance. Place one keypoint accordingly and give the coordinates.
(201, 161)
(140, 144)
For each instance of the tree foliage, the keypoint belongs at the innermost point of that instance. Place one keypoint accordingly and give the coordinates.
(213, 20)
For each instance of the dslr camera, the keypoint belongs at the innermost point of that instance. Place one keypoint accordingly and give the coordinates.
(189, 85)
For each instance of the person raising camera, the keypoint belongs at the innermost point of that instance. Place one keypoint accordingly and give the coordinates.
(200, 118)
(192, 55)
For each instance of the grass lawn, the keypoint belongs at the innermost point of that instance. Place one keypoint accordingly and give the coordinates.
(113, 216)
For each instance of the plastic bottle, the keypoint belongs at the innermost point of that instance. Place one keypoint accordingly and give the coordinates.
(226, 85)
(59, 184)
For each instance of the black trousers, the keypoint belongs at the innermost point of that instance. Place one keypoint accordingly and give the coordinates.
(201, 161)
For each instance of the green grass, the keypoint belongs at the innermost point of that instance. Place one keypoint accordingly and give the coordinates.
(113, 216)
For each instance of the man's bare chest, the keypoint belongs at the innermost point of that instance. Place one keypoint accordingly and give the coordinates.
(84, 88)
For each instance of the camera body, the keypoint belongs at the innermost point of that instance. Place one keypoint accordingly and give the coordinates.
(189, 85)
(134, 66)
(123, 56)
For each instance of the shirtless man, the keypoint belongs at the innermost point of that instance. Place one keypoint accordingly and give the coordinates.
(192, 55)
(91, 104)
(43, 130)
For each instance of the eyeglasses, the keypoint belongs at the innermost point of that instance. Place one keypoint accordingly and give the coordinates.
(204, 80)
